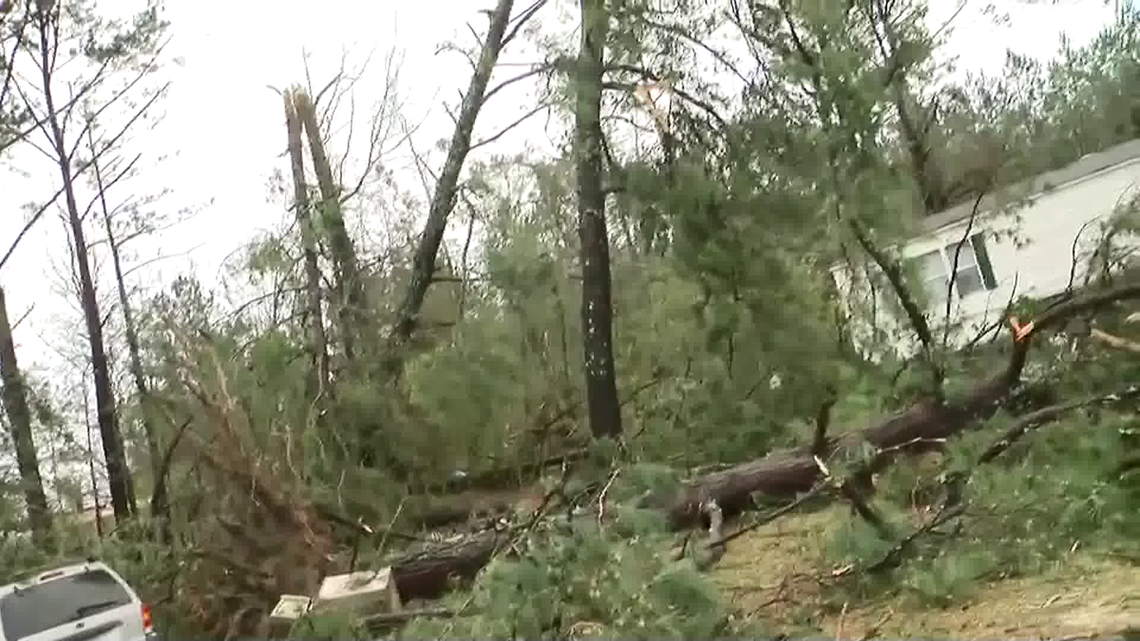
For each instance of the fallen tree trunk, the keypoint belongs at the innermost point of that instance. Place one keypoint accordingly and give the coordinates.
(955, 482)
(784, 474)
(431, 572)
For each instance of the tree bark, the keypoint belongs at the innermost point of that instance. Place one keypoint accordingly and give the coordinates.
(20, 422)
(597, 307)
(428, 574)
(91, 465)
(435, 511)
(118, 476)
(348, 283)
(318, 379)
(159, 504)
(447, 188)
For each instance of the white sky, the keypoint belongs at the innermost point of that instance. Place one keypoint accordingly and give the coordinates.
(227, 126)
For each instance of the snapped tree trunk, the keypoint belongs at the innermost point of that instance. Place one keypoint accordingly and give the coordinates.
(446, 189)
(118, 476)
(317, 382)
(20, 422)
(349, 287)
(159, 504)
(597, 308)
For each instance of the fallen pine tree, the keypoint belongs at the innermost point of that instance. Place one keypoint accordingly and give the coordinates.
(921, 426)
(952, 482)
(429, 572)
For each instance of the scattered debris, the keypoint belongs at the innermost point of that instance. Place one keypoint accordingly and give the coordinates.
(289, 608)
(358, 593)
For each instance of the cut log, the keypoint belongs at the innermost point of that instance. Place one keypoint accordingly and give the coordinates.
(431, 572)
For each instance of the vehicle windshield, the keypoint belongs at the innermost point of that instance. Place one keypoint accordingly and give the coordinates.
(47, 605)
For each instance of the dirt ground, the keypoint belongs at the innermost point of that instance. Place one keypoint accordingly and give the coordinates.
(772, 574)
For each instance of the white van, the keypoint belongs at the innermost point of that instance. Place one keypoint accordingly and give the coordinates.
(82, 602)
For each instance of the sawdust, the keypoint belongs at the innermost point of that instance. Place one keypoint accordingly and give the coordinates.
(777, 574)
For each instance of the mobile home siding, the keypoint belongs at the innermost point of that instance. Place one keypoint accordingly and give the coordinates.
(1030, 246)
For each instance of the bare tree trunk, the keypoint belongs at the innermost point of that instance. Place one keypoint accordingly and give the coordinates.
(318, 380)
(597, 308)
(91, 465)
(348, 284)
(20, 420)
(159, 505)
(446, 189)
(118, 476)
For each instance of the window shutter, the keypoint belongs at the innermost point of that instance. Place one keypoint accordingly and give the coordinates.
(978, 242)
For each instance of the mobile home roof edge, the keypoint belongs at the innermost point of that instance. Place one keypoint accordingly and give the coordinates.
(1083, 167)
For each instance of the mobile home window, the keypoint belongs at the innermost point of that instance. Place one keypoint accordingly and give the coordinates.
(934, 273)
(973, 274)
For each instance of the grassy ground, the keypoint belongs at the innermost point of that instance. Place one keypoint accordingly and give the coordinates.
(774, 574)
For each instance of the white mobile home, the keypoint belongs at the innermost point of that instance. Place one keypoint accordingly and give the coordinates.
(1022, 242)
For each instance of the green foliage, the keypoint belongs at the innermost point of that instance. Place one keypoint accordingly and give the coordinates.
(1049, 114)
(330, 627)
(603, 584)
(115, 41)
(642, 479)
(1056, 491)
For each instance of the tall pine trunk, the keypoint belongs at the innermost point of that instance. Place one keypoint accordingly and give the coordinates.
(159, 503)
(91, 465)
(20, 422)
(597, 307)
(118, 476)
(317, 383)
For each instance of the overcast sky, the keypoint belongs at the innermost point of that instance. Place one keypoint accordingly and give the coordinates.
(226, 125)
